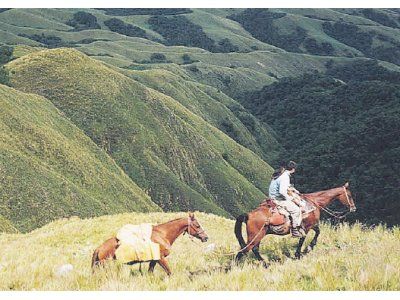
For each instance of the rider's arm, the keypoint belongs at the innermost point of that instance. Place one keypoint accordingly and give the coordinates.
(284, 185)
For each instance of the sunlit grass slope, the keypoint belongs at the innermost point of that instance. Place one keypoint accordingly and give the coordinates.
(215, 107)
(346, 258)
(50, 169)
(177, 157)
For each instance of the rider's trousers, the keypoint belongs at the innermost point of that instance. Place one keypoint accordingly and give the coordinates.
(293, 210)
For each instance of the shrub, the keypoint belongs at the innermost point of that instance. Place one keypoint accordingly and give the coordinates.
(225, 46)
(5, 54)
(121, 27)
(4, 79)
(313, 47)
(178, 30)
(51, 41)
(158, 57)
(82, 20)
(193, 69)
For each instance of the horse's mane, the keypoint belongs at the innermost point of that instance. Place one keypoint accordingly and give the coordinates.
(170, 221)
(319, 193)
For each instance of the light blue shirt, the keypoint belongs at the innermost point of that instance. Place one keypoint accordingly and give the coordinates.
(274, 188)
(278, 187)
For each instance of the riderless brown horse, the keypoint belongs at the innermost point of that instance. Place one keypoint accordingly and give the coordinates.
(164, 234)
(262, 221)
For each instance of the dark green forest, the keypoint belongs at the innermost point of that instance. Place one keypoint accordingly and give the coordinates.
(179, 30)
(340, 126)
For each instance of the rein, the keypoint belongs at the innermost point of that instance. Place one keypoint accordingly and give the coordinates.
(336, 214)
(245, 247)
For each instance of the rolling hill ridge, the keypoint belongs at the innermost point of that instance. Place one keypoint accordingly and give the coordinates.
(175, 156)
(51, 169)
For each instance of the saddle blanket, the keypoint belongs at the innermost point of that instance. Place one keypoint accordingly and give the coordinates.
(280, 215)
(135, 244)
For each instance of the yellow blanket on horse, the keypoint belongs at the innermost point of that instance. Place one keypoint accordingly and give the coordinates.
(135, 244)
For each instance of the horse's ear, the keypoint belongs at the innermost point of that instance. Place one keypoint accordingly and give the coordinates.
(346, 185)
(191, 215)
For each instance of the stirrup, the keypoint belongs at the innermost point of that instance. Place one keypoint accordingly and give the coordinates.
(297, 233)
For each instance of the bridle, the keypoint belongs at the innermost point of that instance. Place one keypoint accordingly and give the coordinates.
(347, 198)
(200, 231)
(335, 214)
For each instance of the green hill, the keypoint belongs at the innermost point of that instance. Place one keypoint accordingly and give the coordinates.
(178, 158)
(214, 107)
(49, 169)
(346, 258)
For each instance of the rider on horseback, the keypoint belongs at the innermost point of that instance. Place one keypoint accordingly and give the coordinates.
(278, 191)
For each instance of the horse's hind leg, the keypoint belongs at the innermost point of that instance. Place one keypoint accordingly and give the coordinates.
(256, 251)
(314, 240)
(152, 265)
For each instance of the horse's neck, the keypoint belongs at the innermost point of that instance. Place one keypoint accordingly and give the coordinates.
(324, 198)
(171, 230)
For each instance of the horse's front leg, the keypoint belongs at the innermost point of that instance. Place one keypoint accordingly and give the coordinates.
(298, 250)
(164, 264)
(314, 240)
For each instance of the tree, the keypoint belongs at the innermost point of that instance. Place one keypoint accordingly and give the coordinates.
(83, 20)
(121, 27)
(157, 57)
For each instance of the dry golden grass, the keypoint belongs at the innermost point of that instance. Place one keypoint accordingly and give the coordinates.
(346, 258)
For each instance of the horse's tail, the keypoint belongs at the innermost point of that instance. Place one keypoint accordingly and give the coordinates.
(238, 229)
(95, 258)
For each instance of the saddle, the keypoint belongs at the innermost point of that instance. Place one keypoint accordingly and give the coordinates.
(280, 215)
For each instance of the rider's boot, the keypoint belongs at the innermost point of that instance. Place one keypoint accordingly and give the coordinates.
(297, 232)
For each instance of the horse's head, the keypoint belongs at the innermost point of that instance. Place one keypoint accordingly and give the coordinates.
(194, 228)
(346, 198)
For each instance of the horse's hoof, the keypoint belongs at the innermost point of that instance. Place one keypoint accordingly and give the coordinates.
(265, 265)
(309, 249)
(297, 255)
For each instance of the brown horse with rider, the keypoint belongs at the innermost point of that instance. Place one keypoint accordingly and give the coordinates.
(266, 220)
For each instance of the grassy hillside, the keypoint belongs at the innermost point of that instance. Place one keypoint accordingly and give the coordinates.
(50, 169)
(346, 258)
(341, 126)
(178, 158)
(214, 107)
